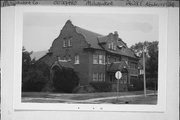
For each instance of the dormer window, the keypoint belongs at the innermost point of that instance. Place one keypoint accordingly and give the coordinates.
(111, 46)
(114, 47)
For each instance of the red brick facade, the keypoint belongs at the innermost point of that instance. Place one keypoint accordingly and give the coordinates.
(93, 56)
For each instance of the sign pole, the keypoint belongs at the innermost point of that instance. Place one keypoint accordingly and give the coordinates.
(117, 89)
(118, 76)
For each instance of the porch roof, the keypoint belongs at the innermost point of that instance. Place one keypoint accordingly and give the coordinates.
(115, 66)
(62, 64)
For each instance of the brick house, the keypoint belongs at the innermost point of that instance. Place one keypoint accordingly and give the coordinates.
(94, 57)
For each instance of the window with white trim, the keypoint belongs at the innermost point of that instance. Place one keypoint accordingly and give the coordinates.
(104, 59)
(76, 61)
(101, 59)
(109, 46)
(70, 42)
(95, 58)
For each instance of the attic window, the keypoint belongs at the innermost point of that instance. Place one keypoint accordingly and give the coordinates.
(111, 46)
(67, 42)
(70, 42)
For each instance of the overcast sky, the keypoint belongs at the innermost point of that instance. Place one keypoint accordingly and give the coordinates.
(39, 30)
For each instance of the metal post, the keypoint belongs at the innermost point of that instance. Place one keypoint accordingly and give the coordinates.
(117, 89)
(144, 68)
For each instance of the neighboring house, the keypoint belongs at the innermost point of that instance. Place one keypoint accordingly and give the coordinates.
(37, 55)
(94, 57)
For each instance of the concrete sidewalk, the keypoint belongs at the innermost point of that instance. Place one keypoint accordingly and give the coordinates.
(92, 100)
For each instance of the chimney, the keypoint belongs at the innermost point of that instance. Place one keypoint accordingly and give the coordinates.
(116, 34)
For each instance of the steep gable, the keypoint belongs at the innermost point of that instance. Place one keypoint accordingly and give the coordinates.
(90, 37)
(98, 41)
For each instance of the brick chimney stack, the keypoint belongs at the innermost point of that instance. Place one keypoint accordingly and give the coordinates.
(116, 35)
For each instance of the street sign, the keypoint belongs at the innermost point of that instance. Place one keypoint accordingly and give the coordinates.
(118, 75)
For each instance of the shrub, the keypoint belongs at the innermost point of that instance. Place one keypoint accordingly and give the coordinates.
(84, 89)
(35, 78)
(101, 86)
(136, 84)
(65, 80)
(34, 81)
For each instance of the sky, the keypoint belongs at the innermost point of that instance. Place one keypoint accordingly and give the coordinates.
(40, 29)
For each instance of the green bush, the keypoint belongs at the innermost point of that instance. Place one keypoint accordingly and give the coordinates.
(136, 84)
(101, 86)
(65, 80)
(35, 78)
(84, 89)
(34, 81)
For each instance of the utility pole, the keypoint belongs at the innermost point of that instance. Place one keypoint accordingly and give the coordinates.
(144, 69)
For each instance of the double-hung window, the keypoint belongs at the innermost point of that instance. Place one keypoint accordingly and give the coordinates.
(95, 58)
(70, 42)
(101, 59)
(76, 61)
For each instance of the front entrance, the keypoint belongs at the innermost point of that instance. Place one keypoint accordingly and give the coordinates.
(64, 80)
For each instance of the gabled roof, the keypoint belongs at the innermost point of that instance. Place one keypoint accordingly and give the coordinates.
(39, 54)
(94, 39)
(90, 37)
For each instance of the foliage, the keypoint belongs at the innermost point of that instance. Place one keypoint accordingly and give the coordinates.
(152, 61)
(65, 80)
(26, 61)
(34, 75)
(136, 84)
(34, 81)
(138, 48)
(101, 86)
(84, 89)
(151, 56)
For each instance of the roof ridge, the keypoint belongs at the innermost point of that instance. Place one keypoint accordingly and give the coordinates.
(88, 30)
